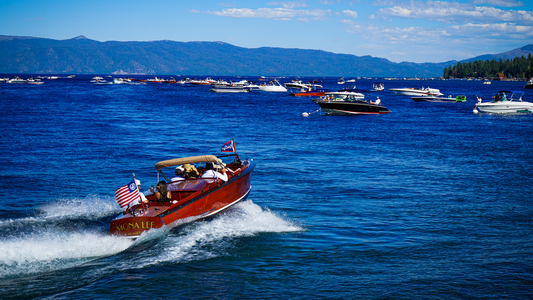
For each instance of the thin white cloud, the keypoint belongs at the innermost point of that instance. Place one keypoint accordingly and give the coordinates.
(350, 13)
(272, 13)
(501, 3)
(289, 4)
(454, 12)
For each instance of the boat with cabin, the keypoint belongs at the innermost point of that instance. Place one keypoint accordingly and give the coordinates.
(192, 197)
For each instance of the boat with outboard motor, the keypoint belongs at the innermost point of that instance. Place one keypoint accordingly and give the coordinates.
(505, 102)
(449, 99)
(416, 92)
(192, 197)
(342, 105)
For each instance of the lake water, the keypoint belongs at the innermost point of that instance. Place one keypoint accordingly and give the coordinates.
(430, 201)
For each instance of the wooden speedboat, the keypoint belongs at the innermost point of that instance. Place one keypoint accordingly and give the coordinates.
(191, 199)
(311, 92)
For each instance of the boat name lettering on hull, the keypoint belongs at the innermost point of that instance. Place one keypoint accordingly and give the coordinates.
(135, 225)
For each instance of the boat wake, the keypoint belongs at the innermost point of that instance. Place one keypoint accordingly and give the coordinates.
(71, 233)
(213, 238)
(61, 235)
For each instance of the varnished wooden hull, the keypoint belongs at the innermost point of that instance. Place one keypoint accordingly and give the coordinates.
(196, 199)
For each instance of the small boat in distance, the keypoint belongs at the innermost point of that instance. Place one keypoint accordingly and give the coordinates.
(192, 197)
(529, 84)
(348, 105)
(416, 92)
(317, 92)
(341, 81)
(16, 80)
(35, 81)
(378, 86)
(505, 102)
(272, 86)
(449, 99)
(295, 83)
(487, 82)
(229, 88)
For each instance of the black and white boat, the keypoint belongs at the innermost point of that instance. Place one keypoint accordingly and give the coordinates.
(349, 105)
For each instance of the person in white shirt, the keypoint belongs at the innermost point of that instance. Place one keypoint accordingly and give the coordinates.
(378, 101)
(141, 195)
(179, 174)
(210, 173)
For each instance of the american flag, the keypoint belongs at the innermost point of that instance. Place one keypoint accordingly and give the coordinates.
(126, 194)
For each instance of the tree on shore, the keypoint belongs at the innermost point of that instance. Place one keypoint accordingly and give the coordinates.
(518, 67)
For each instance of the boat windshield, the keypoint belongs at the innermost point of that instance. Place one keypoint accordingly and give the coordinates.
(508, 96)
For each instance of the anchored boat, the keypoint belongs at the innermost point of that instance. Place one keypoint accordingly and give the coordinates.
(505, 102)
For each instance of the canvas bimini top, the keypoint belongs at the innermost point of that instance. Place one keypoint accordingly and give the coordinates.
(188, 160)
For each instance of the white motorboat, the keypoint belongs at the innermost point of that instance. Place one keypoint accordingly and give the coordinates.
(121, 80)
(297, 84)
(378, 86)
(341, 81)
(416, 92)
(505, 102)
(273, 86)
(34, 81)
(207, 81)
(229, 88)
(16, 80)
(529, 84)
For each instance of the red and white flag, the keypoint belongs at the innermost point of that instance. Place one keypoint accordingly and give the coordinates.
(126, 194)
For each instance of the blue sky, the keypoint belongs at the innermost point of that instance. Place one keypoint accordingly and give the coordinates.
(414, 31)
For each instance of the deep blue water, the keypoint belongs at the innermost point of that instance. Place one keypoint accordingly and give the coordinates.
(428, 202)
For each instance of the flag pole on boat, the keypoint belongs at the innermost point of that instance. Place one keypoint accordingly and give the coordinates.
(140, 197)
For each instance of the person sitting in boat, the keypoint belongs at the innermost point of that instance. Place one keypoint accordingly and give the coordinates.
(179, 171)
(190, 171)
(504, 97)
(141, 196)
(378, 101)
(161, 193)
(211, 173)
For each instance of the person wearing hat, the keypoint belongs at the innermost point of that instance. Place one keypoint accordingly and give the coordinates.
(211, 173)
(179, 174)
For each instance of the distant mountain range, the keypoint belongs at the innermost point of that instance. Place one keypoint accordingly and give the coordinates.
(524, 51)
(84, 56)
